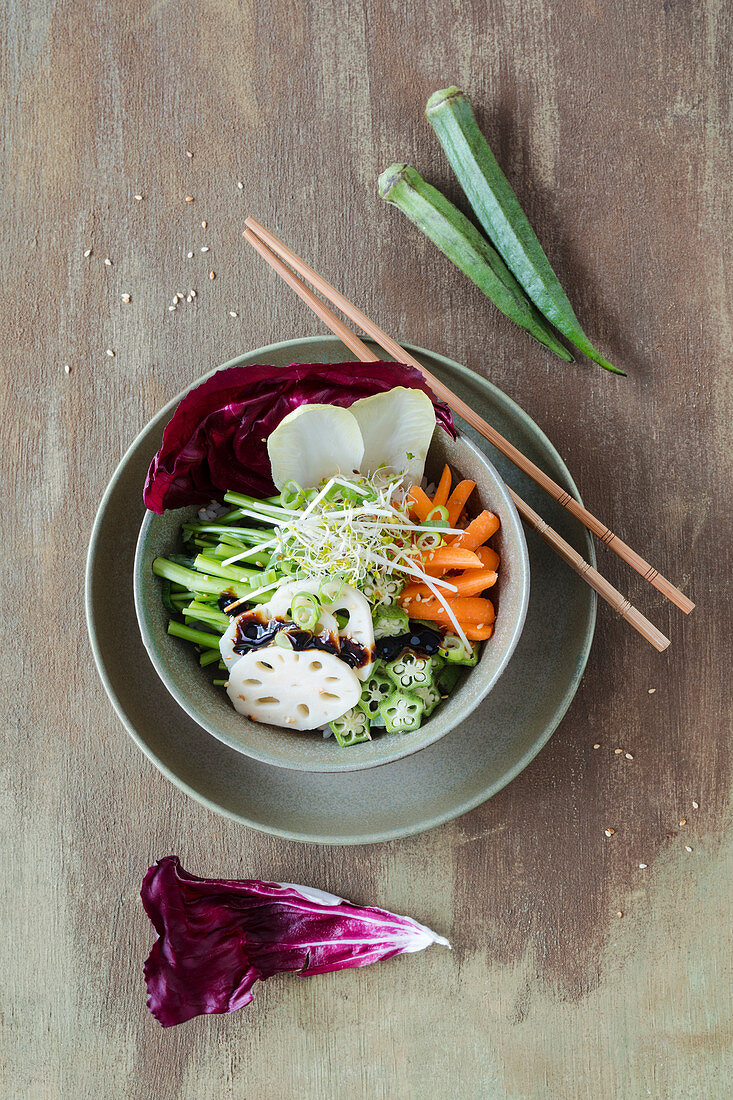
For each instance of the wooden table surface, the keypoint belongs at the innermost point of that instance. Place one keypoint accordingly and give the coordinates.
(575, 972)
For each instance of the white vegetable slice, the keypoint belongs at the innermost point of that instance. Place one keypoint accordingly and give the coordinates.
(359, 628)
(314, 442)
(326, 625)
(397, 427)
(296, 689)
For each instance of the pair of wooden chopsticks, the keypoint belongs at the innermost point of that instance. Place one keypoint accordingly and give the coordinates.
(279, 256)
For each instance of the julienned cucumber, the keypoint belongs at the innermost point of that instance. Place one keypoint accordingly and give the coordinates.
(462, 243)
(450, 114)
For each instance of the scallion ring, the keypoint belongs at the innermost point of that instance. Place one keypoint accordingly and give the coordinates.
(305, 611)
(283, 640)
(291, 495)
(429, 540)
(331, 589)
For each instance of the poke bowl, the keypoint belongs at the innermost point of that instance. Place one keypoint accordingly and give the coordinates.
(263, 645)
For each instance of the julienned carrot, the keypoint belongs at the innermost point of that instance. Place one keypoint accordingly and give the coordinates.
(478, 531)
(450, 557)
(478, 633)
(441, 493)
(489, 557)
(469, 583)
(467, 609)
(419, 502)
(457, 500)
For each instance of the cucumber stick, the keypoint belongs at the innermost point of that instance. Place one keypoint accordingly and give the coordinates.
(496, 206)
(462, 243)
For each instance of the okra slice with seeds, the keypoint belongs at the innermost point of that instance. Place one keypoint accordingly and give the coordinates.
(375, 690)
(351, 728)
(430, 696)
(409, 669)
(402, 712)
(389, 621)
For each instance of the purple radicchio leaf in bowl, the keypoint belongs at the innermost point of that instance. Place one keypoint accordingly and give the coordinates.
(217, 437)
(217, 937)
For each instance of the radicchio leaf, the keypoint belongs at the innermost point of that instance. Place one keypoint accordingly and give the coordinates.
(217, 437)
(217, 937)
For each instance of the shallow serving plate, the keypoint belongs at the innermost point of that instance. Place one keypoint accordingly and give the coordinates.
(176, 662)
(444, 780)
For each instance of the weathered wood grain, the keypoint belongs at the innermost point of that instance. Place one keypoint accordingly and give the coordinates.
(613, 122)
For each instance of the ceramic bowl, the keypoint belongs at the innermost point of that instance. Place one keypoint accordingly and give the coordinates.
(177, 665)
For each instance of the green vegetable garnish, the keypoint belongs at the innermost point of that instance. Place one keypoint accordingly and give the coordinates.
(351, 727)
(409, 669)
(389, 621)
(305, 611)
(496, 206)
(402, 712)
(456, 652)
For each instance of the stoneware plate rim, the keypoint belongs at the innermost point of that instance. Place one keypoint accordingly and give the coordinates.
(397, 748)
(323, 835)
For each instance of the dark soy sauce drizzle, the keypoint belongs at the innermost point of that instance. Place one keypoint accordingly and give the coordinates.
(254, 632)
(421, 639)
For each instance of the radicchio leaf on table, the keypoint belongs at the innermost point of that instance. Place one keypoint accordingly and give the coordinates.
(217, 437)
(217, 937)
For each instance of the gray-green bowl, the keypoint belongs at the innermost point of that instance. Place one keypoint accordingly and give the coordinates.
(176, 663)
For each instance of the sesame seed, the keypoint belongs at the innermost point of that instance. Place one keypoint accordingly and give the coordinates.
(189, 298)
(189, 153)
(138, 198)
(67, 368)
(126, 297)
(618, 751)
(619, 914)
(189, 255)
(232, 313)
(107, 262)
(628, 756)
(651, 691)
(688, 848)
(87, 254)
(695, 805)
(642, 866)
(609, 832)
(110, 353)
(175, 300)
(179, 296)
(212, 274)
(193, 293)
(596, 746)
(204, 224)
(240, 185)
(205, 248)
(172, 308)
(189, 198)
(683, 821)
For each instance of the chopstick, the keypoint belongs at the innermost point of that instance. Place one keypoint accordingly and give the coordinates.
(459, 406)
(596, 581)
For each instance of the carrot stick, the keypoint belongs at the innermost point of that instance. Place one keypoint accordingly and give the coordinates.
(470, 583)
(450, 557)
(478, 531)
(419, 502)
(457, 500)
(478, 633)
(441, 494)
(489, 557)
(467, 609)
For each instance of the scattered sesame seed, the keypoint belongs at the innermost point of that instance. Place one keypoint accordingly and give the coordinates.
(596, 746)
(179, 296)
(87, 254)
(175, 300)
(642, 866)
(189, 153)
(619, 914)
(107, 262)
(688, 848)
(172, 308)
(628, 756)
(67, 368)
(138, 198)
(618, 751)
(240, 185)
(110, 353)
(189, 298)
(126, 297)
(609, 832)
(205, 248)
(683, 821)
(232, 313)
(189, 198)
(695, 805)
(189, 255)
(212, 274)
(651, 691)
(204, 224)
(193, 293)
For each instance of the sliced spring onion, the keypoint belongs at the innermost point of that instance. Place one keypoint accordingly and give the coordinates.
(305, 611)
(331, 588)
(291, 495)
